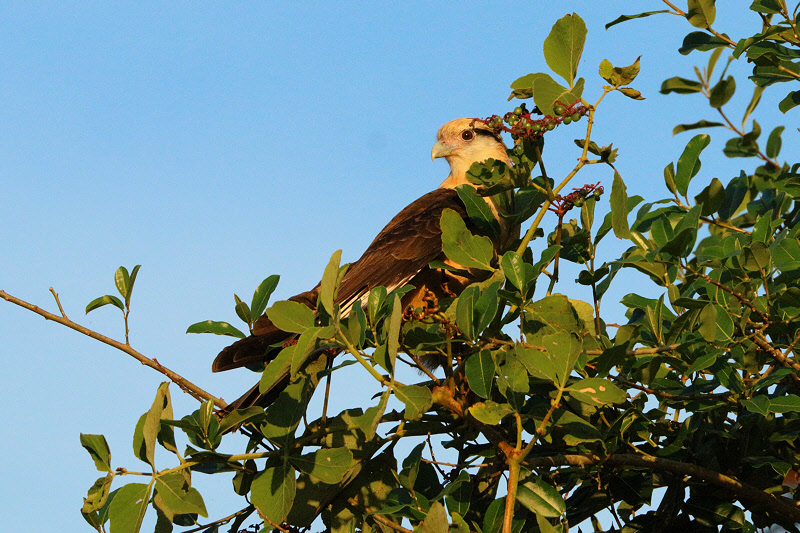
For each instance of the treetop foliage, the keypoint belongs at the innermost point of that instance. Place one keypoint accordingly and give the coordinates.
(685, 416)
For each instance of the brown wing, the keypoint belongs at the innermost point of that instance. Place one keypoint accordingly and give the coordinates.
(410, 241)
(399, 254)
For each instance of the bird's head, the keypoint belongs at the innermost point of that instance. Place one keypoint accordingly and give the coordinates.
(465, 141)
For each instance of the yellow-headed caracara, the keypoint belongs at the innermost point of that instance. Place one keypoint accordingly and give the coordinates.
(399, 255)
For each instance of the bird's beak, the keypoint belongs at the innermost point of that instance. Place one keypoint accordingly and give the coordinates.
(441, 149)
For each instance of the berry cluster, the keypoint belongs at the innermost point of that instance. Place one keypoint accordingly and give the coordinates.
(520, 124)
(562, 204)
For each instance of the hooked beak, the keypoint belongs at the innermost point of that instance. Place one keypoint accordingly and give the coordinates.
(441, 149)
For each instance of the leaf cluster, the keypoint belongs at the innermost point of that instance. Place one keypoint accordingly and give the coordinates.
(697, 393)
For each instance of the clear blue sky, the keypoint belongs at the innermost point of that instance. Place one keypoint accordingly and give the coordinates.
(216, 143)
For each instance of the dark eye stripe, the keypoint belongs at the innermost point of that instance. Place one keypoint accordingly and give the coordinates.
(488, 133)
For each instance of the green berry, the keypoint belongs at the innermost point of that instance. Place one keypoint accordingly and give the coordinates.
(567, 120)
(579, 202)
(576, 116)
(518, 111)
(551, 126)
(559, 109)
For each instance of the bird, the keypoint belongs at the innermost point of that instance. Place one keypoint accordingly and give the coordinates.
(400, 254)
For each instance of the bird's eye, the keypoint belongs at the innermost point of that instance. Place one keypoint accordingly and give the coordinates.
(467, 135)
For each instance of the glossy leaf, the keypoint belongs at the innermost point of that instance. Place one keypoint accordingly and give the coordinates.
(272, 492)
(105, 300)
(461, 246)
(625, 18)
(97, 447)
(128, 507)
(416, 399)
(564, 45)
(291, 316)
(328, 465)
(689, 162)
(480, 370)
(177, 496)
(619, 211)
(540, 497)
(217, 328)
(262, 294)
(596, 392)
(329, 284)
(489, 412)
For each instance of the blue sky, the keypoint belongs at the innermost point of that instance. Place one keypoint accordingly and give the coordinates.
(218, 143)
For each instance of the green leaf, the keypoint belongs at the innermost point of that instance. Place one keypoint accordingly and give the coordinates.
(242, 310)
(785, 404)
(262, 294)
(329, 285)
(217, 328)
(630, 93)
(395, 326)
(273, 490)
(416, 399)
(240, 416)
(790, 101)
(306, 344)
(701, 41)
(564, 45)
(458, 494)
(680, 86)
(465, 311)
(669, 177)
(774, 142)
(328, 465)
(489, 412)
(127, 508)
(735, 193)
(133, 275)
(97, 495)
(722, 92)
(619, 211)
(766, 6)
(689, 162)
(625, 18)
(461, 246)
(701, 13)
(538, 362)
(177, 496)
(752, 105)
(517, 271)
(479, 211)
(479, 369)
(545, 91)
(759, 404)
(618, 76)
(290, 316)
(596, 392)
(104, 300)
(375, 301)
(144, 440)
(764, 75)
(540, 497)
(711, 198)
(435, 521)
(276, 370)
(486, 307)
(123, 281)
(97, 447)
(786, 253)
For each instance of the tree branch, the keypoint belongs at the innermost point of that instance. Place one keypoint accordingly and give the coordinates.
(179, 380)
(743, 491)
